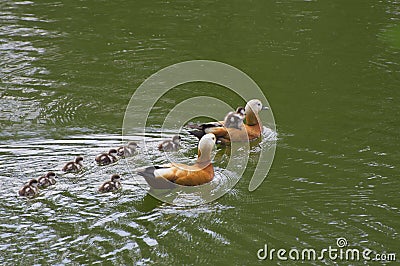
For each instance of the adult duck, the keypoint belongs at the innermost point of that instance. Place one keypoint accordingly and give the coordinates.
(250, 130)
(186, 175)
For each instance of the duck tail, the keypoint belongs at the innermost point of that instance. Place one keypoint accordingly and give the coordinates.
(199, 130)
(156, 183)
(147, 172)
(197, 133)
(192, 125)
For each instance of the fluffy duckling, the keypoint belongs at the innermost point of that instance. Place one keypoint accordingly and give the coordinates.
(29, 190)
(128, 150)
(235, 119)
(106, 158)
(112, 185)
(200, 173)
(47, 180)
(170, 145)
(251, 130)
(75, 166)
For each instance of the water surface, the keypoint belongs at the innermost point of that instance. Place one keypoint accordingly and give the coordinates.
(330, 71)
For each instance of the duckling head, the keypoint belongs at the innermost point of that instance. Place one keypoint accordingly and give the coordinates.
(132, 145)
(33, 183)
(115, 178)
(176, 139)
(79, 160)
(241, 111)
(112, 151)
(51, 174)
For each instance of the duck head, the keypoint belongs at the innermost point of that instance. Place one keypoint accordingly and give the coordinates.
(132, 145)
(79, 160)
(241, 111)
(33, 183)
(206, 145)
(115, 178)
(255, 106)
(176, 139)
(51, 175)
(252, 108)
(112, 151)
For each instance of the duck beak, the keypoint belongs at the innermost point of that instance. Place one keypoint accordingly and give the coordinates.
(265, 108)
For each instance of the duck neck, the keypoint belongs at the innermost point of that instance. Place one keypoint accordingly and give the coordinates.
(252, 118)
(204, 158)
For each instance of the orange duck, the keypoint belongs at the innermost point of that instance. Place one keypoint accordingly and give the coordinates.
(186, 175)
(250, 130)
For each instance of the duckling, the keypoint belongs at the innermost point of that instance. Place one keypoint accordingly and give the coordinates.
(250, 130)
(74, 166)
(127, 150)
(106, 158)
(112, 185)
(47, 180)
(29, 190)
(186, 175)
(235, 119)
(170, 145)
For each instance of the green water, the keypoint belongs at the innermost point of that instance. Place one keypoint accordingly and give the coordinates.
(329, 69)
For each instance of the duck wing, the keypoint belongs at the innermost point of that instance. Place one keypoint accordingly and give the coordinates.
(158, 176)
(185, 175)
(199, 130)
(70, 167)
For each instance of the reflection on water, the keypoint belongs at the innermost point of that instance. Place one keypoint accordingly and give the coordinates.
(68, 69)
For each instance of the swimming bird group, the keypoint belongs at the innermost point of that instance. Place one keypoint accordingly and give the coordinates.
(31, 189)
(241, 125)
(234, 128)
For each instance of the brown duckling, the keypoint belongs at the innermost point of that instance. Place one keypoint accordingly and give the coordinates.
(235, 119)
(47, 180)
(29, 190)
(75, 166)
(170, 145)
(127, 150)
(106, 158)
(112, 185)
